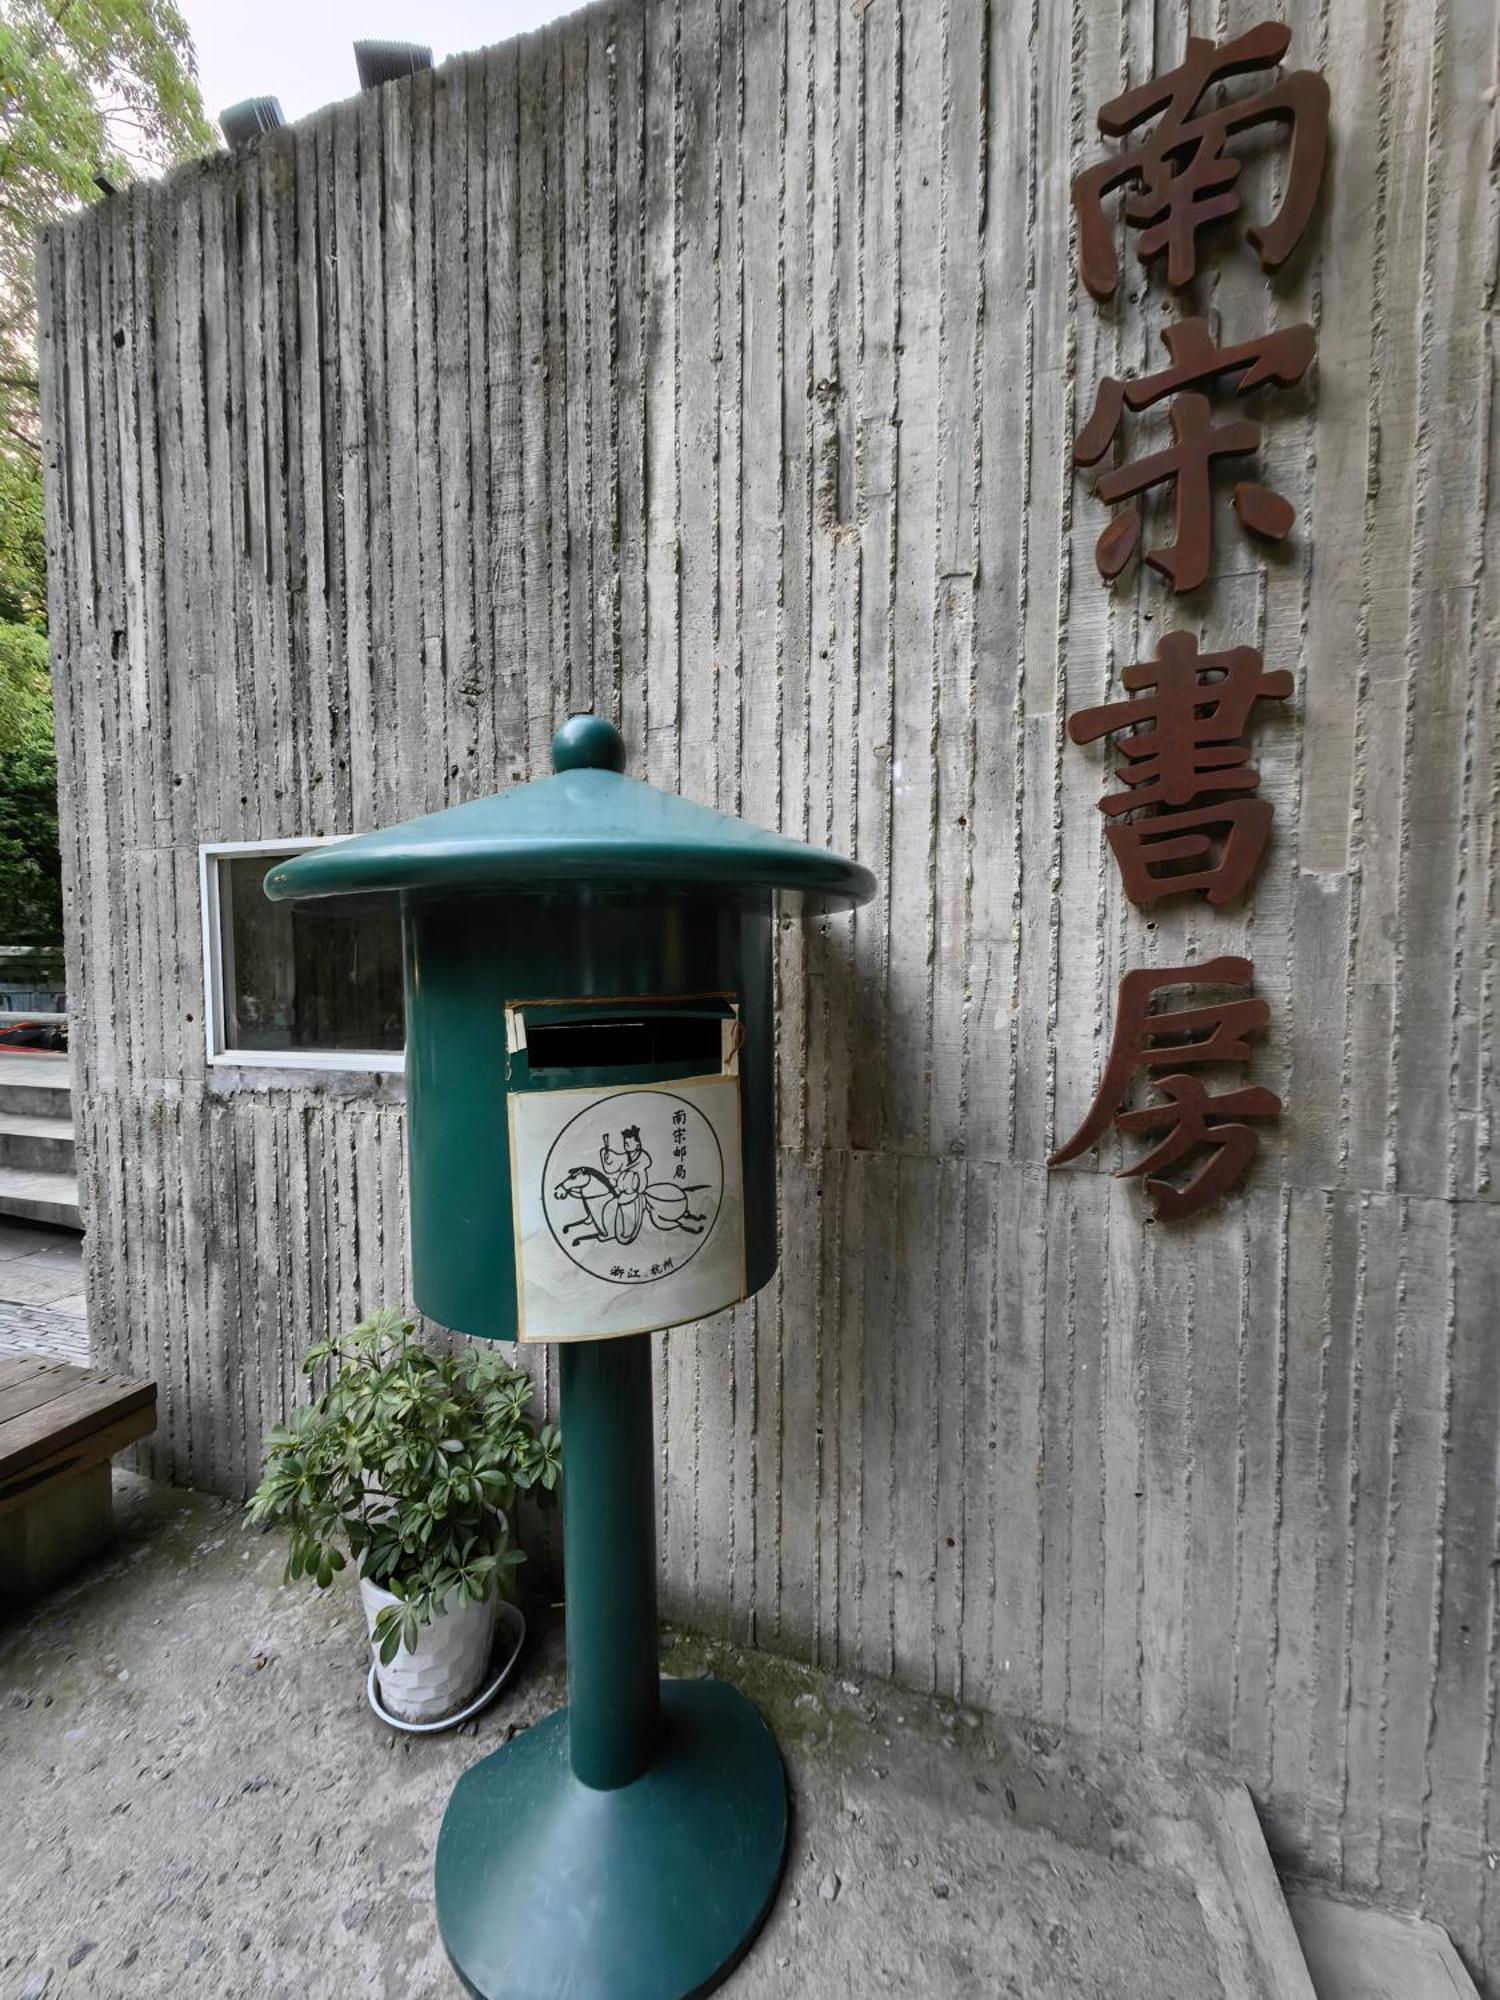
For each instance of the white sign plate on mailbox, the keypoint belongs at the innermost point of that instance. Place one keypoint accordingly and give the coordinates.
(629, 1206)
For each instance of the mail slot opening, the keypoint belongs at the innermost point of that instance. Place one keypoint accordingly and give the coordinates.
(620, 1043)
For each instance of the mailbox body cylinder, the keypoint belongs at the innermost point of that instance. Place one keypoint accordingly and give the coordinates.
(470, 956)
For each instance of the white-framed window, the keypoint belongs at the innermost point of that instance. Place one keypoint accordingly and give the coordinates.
(313, 985)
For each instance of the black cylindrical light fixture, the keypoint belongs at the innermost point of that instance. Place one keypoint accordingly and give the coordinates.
(246, 120)
(383, 62)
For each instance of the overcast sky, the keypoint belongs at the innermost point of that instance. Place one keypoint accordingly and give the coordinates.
(302, 50)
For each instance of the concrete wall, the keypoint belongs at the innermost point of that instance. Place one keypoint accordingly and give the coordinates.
(716, 366)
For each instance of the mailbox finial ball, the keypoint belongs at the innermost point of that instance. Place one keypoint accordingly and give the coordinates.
(588, 743)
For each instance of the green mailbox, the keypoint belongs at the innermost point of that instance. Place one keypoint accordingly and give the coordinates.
(591, 1157)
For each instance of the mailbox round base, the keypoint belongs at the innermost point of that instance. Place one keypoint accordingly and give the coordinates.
(653, 1891)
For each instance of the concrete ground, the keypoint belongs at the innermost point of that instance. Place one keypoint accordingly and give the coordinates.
(41, 1292)
(197, 1800)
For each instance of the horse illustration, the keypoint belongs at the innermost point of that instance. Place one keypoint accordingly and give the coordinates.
(601, 1205)
(669, 1208)
(606, 1217)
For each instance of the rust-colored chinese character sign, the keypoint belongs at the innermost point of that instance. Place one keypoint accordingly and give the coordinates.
(1174, 1040)
(1184, 751)
(1179, 174)
(1282, 357)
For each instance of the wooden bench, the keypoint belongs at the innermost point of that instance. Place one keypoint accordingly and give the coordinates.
(59, 1428)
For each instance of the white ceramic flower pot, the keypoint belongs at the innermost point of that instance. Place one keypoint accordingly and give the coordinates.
(449, 1661)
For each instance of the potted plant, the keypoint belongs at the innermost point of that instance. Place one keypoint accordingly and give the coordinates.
(409, 1460)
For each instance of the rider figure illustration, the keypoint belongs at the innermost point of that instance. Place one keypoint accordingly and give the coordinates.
(618, 1198)
(628, 1173)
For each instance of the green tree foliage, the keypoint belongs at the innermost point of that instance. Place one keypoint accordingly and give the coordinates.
(30, 884)
(91, 92)
(88, 89)
(25, 689)
(30, 877)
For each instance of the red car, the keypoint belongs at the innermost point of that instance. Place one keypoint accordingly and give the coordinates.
(23, 1033)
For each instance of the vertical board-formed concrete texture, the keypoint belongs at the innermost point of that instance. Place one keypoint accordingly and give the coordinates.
(715, 366)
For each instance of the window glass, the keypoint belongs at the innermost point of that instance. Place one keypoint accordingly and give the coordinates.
(318, 975)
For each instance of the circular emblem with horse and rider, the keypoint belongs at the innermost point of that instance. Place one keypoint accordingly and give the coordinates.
(633, 1185)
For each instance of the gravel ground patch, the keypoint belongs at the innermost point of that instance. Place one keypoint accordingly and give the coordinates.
(198, 1801)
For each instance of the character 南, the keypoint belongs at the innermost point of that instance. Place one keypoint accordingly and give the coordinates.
(1178, 175)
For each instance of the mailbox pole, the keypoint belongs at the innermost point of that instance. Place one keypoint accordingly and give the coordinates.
(609, 1554)
(629, 1846)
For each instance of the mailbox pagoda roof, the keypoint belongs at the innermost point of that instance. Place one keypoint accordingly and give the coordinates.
(588, 824)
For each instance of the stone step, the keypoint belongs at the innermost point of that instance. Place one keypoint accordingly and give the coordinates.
(40, 1197)
(29, 1141)
(1354, 1953)
(37, 1085)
